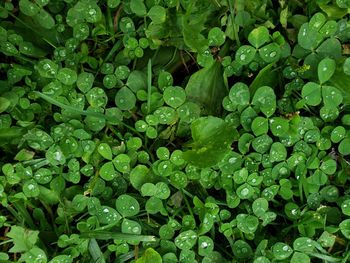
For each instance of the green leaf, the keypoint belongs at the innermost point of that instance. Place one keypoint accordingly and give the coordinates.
(105, 150)
(239, 94)
(311, 93)
(242, 250)
(278, 152)
(125, 99)
(331, 96)
(281, 251)
(138, 7)
(67, 76)
(205, 246)
(259, 36)
(245, 54)
(186, 239)
(344, 147)
(4, 104)
(130, 227)
(23, 239)
(212, 139)
(107, 171)
(150, 255)
(28, 8)
(325, 69)
(45, 19)
(260, 126)
(174, 96)
(300, 257)
(260, 206)
(216, 37)
(345, 207)
(270, 53)
(206, 88)
(127, 205)
(345, 228)
(157, 14)
(265, 99)
(346, 66)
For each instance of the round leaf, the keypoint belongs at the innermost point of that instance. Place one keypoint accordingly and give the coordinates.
(325, 69)
(259, 36)
(245, 54)
(127, 205)
(125, 99)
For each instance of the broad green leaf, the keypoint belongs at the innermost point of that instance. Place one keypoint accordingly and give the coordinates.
(105, 150)
(212, 138)
(113, 3)
(206, 88)
(308, 37)
(325, 69)
(300, 257)
(259, 36)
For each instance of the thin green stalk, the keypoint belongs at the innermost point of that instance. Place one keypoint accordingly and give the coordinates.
(235, 29)
(149, 85)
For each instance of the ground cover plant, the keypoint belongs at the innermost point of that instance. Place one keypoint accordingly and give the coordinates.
(174, 131)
